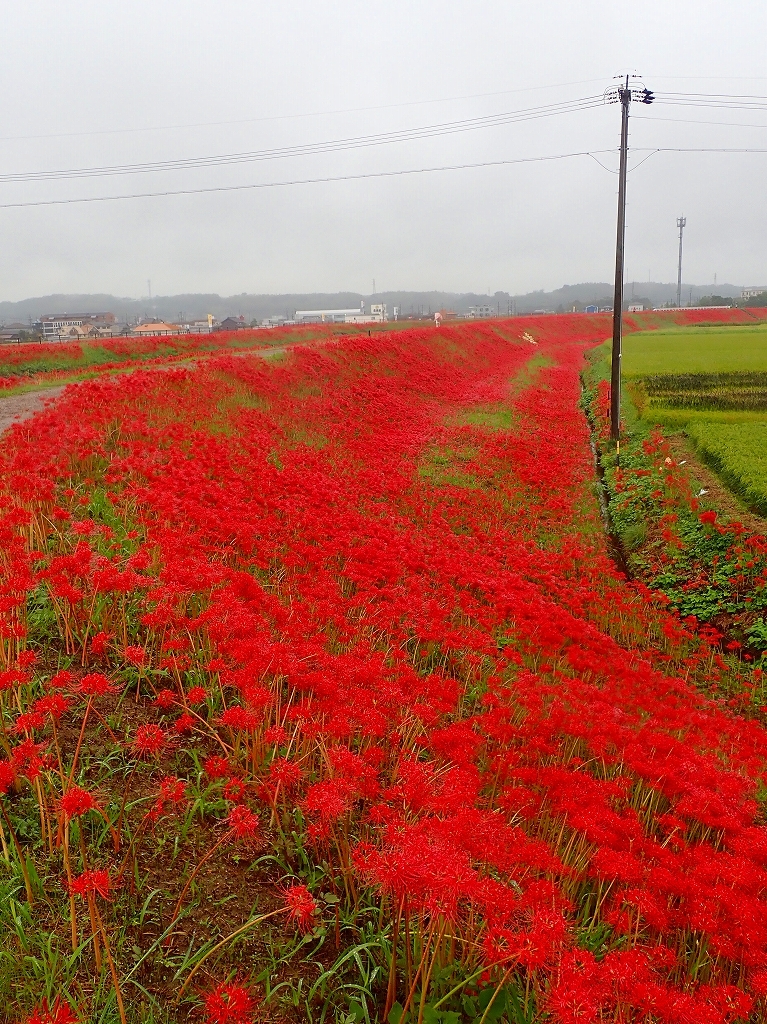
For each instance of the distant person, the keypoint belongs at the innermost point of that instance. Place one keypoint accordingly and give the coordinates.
(437, 319)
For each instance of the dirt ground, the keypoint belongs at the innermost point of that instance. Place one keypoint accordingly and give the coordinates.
(719, 496)
(15, 408)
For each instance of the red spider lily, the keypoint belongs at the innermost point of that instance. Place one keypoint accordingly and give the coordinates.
(135, 655)
(99, 643)
(286, 772)
(7, 776)
(165, 699)
(150, 740)
(229, 1003)
(96, 685)
(59, 1013)
(217, 767)
(171, 797)
(235, 790)
(55, 705)
(480, 719)
(76, 802)
(92, 882)
(300, 906)
(244, 824)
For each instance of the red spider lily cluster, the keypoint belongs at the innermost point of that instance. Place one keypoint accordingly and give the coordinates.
(372, 581)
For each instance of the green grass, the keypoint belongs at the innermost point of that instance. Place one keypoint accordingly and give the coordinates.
(445, 467)
(695, 350)
(738, 453)
(710, 383)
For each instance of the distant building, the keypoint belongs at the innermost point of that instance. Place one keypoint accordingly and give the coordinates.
(232, 323)
(329, 316)
(591, 309)
(481, 312)
(751, 293)
(15, 332)
(636, 307)
(605, 309)
(378, 311)
(59, 325)
(156, 327)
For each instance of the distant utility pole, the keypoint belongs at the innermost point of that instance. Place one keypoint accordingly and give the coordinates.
(680, 223)
(623, 94)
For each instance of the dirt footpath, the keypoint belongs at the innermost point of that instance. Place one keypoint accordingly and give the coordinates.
(15, 408)
(718, 496)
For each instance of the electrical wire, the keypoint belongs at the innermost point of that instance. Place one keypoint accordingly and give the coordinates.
(310, 149)
(693, 149)
(291, 117)
(686, 120)
(718, 101)
(371, 174)
(300, 181)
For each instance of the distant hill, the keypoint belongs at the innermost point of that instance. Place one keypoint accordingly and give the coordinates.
(410, 303)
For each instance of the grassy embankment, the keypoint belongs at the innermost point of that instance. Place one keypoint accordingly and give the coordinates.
(32, 366)
(711, 384)
(694, 401)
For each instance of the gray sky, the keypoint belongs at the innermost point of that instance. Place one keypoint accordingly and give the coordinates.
(96, 84)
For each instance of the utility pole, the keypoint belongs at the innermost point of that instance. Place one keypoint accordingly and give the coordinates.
(680, 223)
(623, 95)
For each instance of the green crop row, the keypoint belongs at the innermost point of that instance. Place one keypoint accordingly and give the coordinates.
(672, 382)
(738, 453)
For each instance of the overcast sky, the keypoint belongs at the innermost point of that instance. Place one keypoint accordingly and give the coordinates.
(105, 83)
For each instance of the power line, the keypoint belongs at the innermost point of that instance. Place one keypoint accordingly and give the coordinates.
(300, 181)
(371, 174)
(291, 117)
(310, 149)
(712, 101)
(686, 120)
(693, 149)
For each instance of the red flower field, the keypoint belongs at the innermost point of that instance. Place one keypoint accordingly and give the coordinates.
(322, 700)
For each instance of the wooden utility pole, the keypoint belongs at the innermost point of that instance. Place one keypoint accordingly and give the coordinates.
(625, 93)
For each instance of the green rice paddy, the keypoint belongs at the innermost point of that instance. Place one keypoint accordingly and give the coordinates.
(685, 350)
(710, 383)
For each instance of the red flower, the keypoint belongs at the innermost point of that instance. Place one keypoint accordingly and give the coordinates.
(234, 790)
(184, 724)
(300, 905)
(76, 802)
(136, 655)
(165, 700)
(197, 695)
(243, 823)
(94, 882)
(7, 776)
(150, 740)
(59, 1013)
(99, 643)
(96, 685)
(217, 767)
(229, 1004)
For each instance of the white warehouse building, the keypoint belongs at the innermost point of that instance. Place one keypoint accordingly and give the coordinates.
(342, 316)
